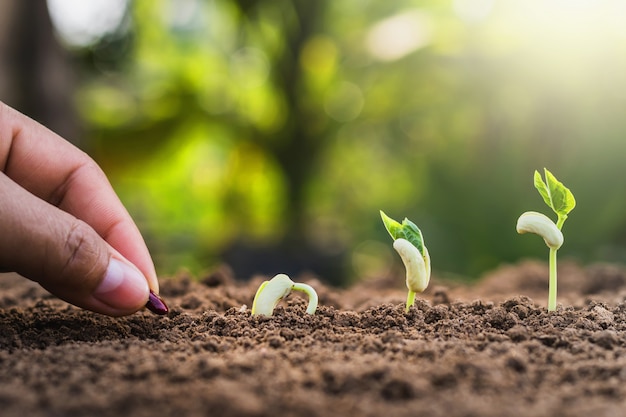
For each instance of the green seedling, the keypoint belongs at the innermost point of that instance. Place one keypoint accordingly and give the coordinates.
(271, 292)
(561, 200)
(409, 243)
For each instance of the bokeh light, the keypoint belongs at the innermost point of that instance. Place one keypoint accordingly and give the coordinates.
(82, 23)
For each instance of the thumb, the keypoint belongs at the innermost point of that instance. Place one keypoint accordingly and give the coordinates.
(65, 255)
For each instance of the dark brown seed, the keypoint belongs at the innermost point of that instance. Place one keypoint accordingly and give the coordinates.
(156, 304)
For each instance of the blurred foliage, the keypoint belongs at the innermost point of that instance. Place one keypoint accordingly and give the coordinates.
(285, 123)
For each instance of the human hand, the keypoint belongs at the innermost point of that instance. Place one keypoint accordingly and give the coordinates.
(63, 226)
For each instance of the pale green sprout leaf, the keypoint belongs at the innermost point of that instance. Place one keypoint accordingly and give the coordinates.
(557, 196)
(543, 189)
(271, 292)
(413, 234)
(392, 226)
(407, 230)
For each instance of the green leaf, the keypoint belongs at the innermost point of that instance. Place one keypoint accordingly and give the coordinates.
(557, 196)
(392, 226)
(407, 230)
(413, 234)
(542, 188)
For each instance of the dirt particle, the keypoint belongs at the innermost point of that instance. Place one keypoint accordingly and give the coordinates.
(275, 341)
(499, 318)
(397, 389)
(444, 380)
(602, 316)
(516, 363)
(521, 311)
(347, 319)
(287, 334)
(480, 306)
(392, 336)
(553, 340)
(436, 313)
(518, 333)
(606, 339)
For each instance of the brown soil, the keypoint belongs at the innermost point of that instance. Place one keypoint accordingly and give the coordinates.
(489, 350)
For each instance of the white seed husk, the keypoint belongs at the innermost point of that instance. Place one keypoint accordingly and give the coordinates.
(270, 293)
(542, 225)
(417, 265)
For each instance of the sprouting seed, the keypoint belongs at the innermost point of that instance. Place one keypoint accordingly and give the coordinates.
(409, 243)
(271, 292)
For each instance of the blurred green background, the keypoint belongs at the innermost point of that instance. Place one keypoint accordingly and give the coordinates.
(268, 134)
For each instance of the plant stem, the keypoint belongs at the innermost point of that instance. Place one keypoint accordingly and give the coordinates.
(308, 290)
(560, 221)
(552, 285)
(410, 300)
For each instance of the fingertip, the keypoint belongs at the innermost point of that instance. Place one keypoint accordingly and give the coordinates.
(123, 289)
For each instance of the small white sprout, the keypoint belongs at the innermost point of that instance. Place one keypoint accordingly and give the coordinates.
(271, 292)
(540, 224)
(417, 266)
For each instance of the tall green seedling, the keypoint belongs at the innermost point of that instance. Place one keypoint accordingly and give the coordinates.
(561, 200)
(409, 243)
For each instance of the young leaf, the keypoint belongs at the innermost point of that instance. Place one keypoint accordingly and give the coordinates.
(407, 230)
(557, 196)
(392, 226)
(543, 189)
(562, 198)
(413, 234)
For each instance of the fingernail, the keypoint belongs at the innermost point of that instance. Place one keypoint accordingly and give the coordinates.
(156, 304)
(123, 286)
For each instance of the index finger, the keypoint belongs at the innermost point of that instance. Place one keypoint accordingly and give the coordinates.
(56, 171)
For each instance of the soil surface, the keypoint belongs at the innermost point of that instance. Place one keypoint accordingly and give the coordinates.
(488, 350)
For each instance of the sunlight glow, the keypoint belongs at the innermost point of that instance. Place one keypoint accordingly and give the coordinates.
(564, 43)
(568, 19)
(399, 35)
(473, 10)
(81, 23)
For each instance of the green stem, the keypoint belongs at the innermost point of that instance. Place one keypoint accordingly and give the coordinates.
(561, 220)
(552, 286)
(410, 300)
(308, 290)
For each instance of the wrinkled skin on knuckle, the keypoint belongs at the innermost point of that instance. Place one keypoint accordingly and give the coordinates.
(83, 259)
